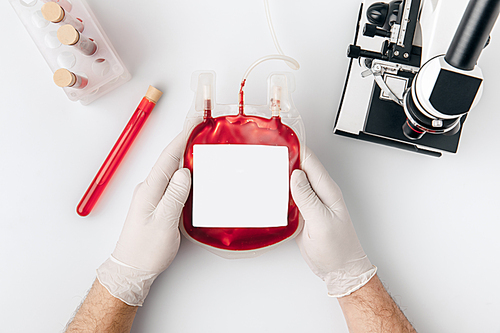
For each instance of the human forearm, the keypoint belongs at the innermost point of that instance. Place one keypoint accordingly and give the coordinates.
(148, 243)
(101, 312)
(371, 309)
(331, 248)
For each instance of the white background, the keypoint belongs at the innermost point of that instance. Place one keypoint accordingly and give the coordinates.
(430, 225)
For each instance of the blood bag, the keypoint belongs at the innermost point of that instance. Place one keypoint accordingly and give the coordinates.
(275, 129)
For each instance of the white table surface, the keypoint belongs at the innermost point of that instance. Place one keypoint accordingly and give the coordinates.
(430, 225)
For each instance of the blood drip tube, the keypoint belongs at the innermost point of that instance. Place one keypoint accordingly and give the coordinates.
(118, 152)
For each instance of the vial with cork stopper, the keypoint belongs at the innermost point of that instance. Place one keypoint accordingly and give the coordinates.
(54, 13)
(63, 3)
(64, 78)
(68, 35)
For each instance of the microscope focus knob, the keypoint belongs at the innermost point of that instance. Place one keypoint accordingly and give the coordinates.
(377, 13)
(353, 51)
(371, 30)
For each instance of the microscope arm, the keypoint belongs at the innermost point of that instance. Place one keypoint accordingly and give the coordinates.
(472, 33)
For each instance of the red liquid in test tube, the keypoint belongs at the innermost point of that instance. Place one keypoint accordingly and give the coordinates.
(118, 152)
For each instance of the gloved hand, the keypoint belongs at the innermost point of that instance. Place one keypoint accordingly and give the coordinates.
(150, 237)
(328, 241)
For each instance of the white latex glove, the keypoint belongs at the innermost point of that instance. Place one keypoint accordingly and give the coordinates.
(328, 241)
(150, 237)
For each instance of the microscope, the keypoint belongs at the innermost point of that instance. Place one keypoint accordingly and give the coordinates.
(413, 75)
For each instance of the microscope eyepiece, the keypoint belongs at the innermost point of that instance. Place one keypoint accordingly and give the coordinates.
(472, 33)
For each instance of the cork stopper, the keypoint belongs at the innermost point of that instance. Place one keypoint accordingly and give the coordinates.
(64, 78)
(52, 12)
(68, 35)
(153, 94)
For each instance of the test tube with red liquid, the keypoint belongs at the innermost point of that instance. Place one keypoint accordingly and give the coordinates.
(118, 151)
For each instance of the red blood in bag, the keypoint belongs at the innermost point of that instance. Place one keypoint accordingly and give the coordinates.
(251, 130)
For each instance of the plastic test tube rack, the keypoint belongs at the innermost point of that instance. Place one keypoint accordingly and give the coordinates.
(104, 69)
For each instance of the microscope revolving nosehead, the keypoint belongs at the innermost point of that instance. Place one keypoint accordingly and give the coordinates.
(444, 92)
(419, 122)
(439, 97)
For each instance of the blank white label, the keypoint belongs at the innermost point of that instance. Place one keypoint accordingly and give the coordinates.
(240, 186)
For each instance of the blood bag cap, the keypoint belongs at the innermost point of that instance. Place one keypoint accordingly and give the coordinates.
(153, 94)
(52, 12)
(68, 35)
(64, 78)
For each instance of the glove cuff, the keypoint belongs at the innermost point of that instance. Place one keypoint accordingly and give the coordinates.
(127, 283)
(343, 284)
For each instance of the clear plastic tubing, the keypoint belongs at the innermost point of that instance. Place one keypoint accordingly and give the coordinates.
(64, 78)
(63, 3)
(291, 62)
(54, 13)
(293, 65)
(118, 152)
(68, 35)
